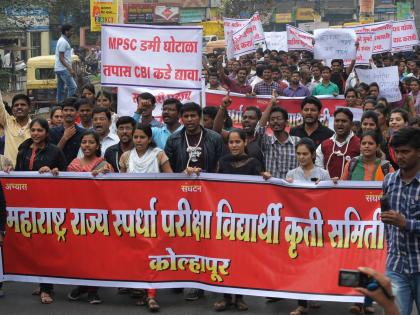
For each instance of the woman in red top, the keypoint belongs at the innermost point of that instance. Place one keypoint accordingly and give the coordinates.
(90, 162)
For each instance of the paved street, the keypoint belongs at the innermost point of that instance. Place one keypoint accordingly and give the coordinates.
(18, 300)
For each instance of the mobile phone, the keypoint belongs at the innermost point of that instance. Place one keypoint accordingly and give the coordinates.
(353, 279)
(385, 205)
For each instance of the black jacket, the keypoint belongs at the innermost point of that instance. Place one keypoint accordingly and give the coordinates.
(112, 156)
(176, 150)
(50, 156)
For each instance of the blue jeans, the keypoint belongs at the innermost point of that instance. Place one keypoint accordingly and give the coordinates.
(64, 78)
(406, 288)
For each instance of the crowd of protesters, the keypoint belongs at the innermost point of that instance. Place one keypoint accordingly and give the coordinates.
(84, 134)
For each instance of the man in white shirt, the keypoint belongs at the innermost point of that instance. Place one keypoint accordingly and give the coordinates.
(63, 65)
(102, 125)
(7, 62)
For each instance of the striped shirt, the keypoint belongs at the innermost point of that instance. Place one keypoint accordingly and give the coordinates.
(403, 245)
(279, 157)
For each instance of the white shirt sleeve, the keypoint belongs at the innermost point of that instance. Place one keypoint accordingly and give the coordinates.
(319, 160)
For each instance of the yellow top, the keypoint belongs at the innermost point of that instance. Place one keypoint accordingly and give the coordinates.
(14, 133)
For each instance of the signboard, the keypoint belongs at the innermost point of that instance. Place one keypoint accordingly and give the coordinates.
(382, 35)
(311, 26)
(333, 43)
(304, 14)
(151, 56)
(298, 39)
(102, 12)
(403, 10)
(367, 7)
(34, 19)
(136, 13)
(282, 18)
(192, 15)
(165, 14)
(387, 79)
(404, 33)
(276, 40)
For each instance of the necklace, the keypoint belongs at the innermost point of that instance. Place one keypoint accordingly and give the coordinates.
(193, 152)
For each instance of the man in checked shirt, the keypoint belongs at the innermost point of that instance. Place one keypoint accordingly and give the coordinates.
(402, 222)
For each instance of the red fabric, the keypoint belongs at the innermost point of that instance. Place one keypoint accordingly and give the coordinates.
(336, 163)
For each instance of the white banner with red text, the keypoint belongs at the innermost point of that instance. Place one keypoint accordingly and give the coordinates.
(298, 39)
(127, 99)
(152, 56)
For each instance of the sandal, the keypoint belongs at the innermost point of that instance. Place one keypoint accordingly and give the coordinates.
(299, 311)
(240, 304)
(222, 305)
(356, 309)
(46, 298)
(152, 305)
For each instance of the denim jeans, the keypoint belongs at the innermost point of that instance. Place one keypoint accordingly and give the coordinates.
(406, 288)
(64, 78)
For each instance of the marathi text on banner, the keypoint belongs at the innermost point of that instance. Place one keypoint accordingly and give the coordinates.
(298, 39)
(291, 104)
(127, 98)
(276, 40)
(243, 40)
(382, 41)
(387, 79)
(364, 49)
(151, 56)
(404, 33)
(334, 44)
(206, 233)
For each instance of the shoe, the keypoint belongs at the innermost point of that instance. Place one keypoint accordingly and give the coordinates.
(76, 293)
(93, 298)
(193, 294)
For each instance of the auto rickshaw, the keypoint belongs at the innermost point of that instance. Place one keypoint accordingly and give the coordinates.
(41, 81)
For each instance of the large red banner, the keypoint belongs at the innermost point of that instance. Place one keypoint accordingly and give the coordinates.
(234, 234)
(291, 104)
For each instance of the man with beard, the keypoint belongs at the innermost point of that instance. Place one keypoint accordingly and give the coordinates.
(334, 152)
(194, 149)
(296, 89)
(236, 86)
(170, 114)
(267, 85)
(194, 146)
(311, 127)
(102, 125)
(125, 129)
(279, 148)
(68, 136)
(16, 126)
(250, 118)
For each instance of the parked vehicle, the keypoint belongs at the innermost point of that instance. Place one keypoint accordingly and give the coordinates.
(41, 82)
